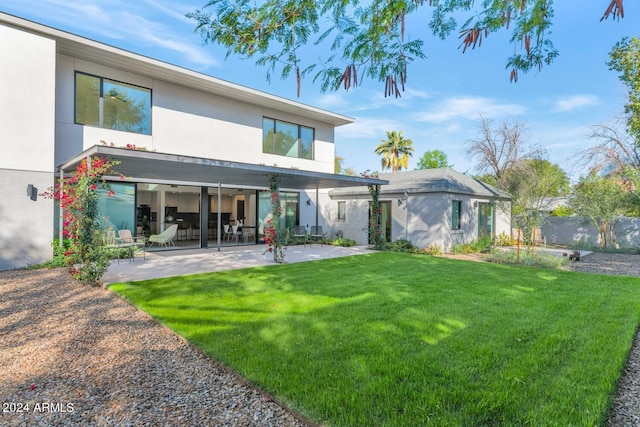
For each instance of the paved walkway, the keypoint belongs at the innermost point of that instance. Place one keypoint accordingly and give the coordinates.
(192, 261)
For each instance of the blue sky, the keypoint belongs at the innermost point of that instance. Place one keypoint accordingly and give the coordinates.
(446, 93)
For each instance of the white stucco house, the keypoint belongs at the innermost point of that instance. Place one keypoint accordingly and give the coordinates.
(204, 151)
(209, 144)
(433, 206)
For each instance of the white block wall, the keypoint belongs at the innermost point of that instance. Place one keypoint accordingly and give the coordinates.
(27, 116)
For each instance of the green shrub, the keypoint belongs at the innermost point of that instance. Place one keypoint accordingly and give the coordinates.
(562, 211)
(433, 249)
(504, 239)
(343, 242)
(401, 245)
(482, 245)
(462, 248)
(539, 259)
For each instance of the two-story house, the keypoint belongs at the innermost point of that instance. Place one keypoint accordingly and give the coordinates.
(204, 147)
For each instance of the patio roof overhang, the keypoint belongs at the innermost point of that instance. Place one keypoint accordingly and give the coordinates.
(143, 166)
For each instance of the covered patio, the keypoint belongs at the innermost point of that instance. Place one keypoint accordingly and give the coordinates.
(214, 194)
(194, 261)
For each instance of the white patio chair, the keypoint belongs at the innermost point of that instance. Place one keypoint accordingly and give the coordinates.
(165, 238)
(227, 232)
(135, 243)
(237, 232)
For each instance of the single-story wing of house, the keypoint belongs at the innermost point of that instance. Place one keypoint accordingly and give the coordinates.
(433, 206)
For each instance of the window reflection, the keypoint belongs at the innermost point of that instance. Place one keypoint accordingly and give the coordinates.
(112, 105)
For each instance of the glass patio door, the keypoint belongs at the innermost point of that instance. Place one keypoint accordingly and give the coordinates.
(485, 219)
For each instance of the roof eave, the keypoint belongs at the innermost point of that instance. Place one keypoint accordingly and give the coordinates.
(141, 165)
(93, 51)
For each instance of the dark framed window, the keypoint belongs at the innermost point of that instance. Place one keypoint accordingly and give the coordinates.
(342, 211)
(456, 214)
(112, 104)
(287, 139)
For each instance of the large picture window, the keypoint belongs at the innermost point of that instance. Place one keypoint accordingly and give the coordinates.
(287, 139)
(111, 104)
(289, 215)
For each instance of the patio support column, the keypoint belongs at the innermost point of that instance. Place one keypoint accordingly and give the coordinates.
(219, 213)
(61, 211)
(317, 207)
(204, 217)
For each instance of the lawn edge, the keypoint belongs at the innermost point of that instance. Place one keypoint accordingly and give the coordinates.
(242, 380)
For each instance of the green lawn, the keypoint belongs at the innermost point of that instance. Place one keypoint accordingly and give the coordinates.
(396, 339)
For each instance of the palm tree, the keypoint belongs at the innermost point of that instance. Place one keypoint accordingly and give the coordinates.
(395, 151)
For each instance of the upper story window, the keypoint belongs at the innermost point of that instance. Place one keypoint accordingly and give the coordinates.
(287, 139)
(111, 104)
(456, 214)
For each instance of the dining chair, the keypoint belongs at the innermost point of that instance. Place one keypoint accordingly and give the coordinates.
(227, 231)
(236, 232)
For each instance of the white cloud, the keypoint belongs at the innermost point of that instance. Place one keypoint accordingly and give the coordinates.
(89, 10)
(174, 10)
(332, 100)
(117, 20)
(372, 128)
(468, 107)
(570, 103)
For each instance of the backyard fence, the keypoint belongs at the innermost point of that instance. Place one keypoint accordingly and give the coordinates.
(570, 230)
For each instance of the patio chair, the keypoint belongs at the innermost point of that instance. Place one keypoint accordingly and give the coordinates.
(165, 238)
(316, 233)
(300, 234)
(247, 231)
(111, 241)
(237, 232)
(134, 243)
(228, 232)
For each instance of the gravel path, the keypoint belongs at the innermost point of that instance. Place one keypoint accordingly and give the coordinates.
(82, 356)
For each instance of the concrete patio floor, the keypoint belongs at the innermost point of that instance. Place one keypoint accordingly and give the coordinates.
(192, 261)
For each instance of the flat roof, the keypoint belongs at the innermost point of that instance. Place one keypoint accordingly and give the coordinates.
(104, 54)
(187, 170)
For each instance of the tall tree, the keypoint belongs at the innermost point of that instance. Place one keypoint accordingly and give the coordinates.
(618, 150)
(350, 171)
(531, 182)
(337, 164)
(432, 160)
(625, 59)
(395, 151)
(556, 180)
(615, 151)
(500, 147)
(367, 39)
(600, 199)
